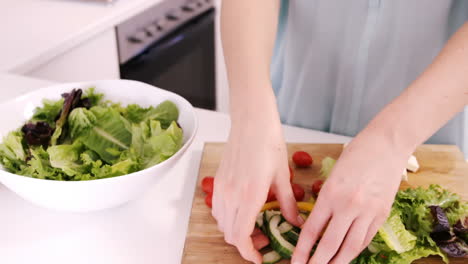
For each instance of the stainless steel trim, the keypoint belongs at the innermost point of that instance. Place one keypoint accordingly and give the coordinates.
(144, 29)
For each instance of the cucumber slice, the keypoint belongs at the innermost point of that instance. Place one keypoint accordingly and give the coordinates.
(259, 221)
(291, 236)
(270, 213)
(271, 257)
(285, 227)
(284, 248)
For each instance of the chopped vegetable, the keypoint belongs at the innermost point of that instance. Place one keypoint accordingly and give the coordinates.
(208, 185)
(413, 164)
(209, 200)
(285, 227)
(441, 226)
(421, 213)
(395, 235)
(298, 191)
(38, 134)
(260, 240)
(271, 257)
(72, 100)
(259, 220)
(316, 187)
(283, 247)
(302, 206)
(271, 196)
(327, 166)
(302, 159)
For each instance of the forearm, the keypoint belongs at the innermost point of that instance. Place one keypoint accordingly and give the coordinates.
(248, 30)
(430, 101)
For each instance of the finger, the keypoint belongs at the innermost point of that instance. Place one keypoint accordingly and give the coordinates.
(218, 204)
(247, 250)
(354, 240)
(310, 232)
(332, 238)
(373, 229)
(229, 220)
(285, 196)
(243, 228)
(219, 185)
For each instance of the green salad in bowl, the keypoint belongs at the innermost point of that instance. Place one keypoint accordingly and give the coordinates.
(83, 136)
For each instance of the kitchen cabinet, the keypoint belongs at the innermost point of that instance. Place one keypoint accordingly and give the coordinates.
(94, 59)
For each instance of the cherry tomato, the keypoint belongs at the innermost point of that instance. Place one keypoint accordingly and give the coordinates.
(291, 174)
(317, 186)
(298, 191)
(209, 200)
(260, 240)
(207, 184)
(302, 159)
(271, 196)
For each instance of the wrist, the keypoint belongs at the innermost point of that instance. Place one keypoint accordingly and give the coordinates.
(254, 106)
(391, 134)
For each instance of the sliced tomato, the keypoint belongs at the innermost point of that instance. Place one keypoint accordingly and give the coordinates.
(271, 196)
(209, 200)
(260, 240)
(207, 184)
(298, 191)
(291, 174)
(302, 159)
(316, 187)
(256, 231)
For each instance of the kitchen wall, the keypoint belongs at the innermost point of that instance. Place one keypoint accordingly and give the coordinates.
(222, 87)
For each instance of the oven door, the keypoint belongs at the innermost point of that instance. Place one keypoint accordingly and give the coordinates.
(183, 62)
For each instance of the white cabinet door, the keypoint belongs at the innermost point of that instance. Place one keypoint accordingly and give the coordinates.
(94, 59)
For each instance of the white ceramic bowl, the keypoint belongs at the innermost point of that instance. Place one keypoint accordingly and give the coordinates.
(99, 194)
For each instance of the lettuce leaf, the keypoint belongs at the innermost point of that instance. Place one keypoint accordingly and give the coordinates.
(80, 121)
(414, 207)
(12, 153)
(67, 158)
(120, 168)
(95, 99)
(414, 254)
(378, 244)
(110, 135)
(48, 112)
(327, 166)
(152, 144)
(393, 257)
(166, 112)
(395, 235)
(39, 166)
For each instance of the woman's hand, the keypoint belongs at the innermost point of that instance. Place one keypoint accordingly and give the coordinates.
(353, 203)
(255, 159)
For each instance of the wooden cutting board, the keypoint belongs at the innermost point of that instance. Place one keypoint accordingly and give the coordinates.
(439, 164)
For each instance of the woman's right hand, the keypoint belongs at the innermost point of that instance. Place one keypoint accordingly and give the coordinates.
(254, 160)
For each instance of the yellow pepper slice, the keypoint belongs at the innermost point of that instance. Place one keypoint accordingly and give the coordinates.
(302, 206)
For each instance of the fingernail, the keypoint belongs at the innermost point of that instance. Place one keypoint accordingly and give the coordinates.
(301, 222)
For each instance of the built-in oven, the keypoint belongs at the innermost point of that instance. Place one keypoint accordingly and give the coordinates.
(171, 46)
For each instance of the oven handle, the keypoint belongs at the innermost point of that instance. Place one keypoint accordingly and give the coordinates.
(187, 30)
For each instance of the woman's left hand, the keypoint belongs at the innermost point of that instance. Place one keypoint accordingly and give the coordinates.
(353, 203)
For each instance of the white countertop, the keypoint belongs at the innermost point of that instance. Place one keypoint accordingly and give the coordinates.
(35, 31)
(149, 230)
